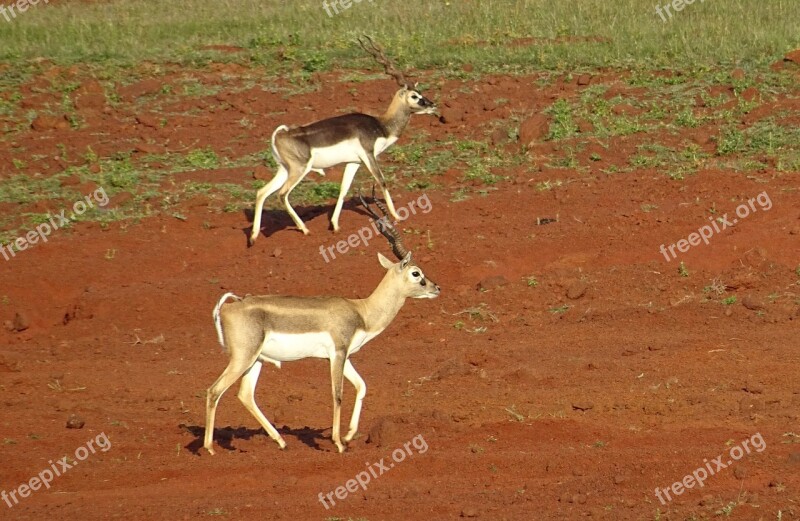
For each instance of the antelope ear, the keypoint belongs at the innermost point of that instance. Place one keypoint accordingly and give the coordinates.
(405, 261)
(386, 263)
(416, 84)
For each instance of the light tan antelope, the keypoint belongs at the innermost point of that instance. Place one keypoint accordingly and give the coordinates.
(351, 139)
(276, 329)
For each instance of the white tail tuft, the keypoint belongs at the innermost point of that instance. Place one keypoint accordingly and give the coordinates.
(275, 154)
(215, 314)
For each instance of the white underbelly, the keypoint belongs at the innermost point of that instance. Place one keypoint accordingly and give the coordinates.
(344, 152)
(286, 347)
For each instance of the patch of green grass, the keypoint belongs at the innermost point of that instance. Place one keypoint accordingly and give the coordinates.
(26, 189)
(686, 118)
(194, 88)
(763, 140)
(731, 141)
(119, 174)
(548, 185)
(586, 33)
(461, 194)
(202, 158)
(324, 191)
(562, 125)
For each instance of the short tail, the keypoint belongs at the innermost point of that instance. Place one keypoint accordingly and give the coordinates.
(217, 320)
(275, 154)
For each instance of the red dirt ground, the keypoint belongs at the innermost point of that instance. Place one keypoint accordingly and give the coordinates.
(527, 412)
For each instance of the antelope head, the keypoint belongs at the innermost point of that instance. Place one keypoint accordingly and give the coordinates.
(410, 96)
(414, 280)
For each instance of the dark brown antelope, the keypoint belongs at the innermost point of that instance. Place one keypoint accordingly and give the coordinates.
(277, 329)
(352, 139)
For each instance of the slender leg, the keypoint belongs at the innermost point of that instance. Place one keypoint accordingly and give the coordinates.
(347, 179)
(337, 380)
(236, 368)
(265, 191)
(247, 397)
(361, 390)
(287, 189)
(375, 170)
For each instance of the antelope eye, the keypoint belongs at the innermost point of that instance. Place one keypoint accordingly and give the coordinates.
(415, 274)
(414, 97)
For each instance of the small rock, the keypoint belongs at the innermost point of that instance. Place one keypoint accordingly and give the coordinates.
(533, 130)
(149, 148)
(495, 281)
(579, 499)
(793, 57)
(577, 289)
(582, 406)
(740, 472)
(750, 94)
(624, 109)
(754, 387)
(499, 136)
(121, 198)
(619, 479)
(452, 367)
(469, 512)
(148, 121)
(702, 138)
(584, 79)
(43, 123)
(467, 67)
(90, 101)
(21, 322)
(277, 252)
(584, 126)
(75, 422)
(383, 433)
(752, 303)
